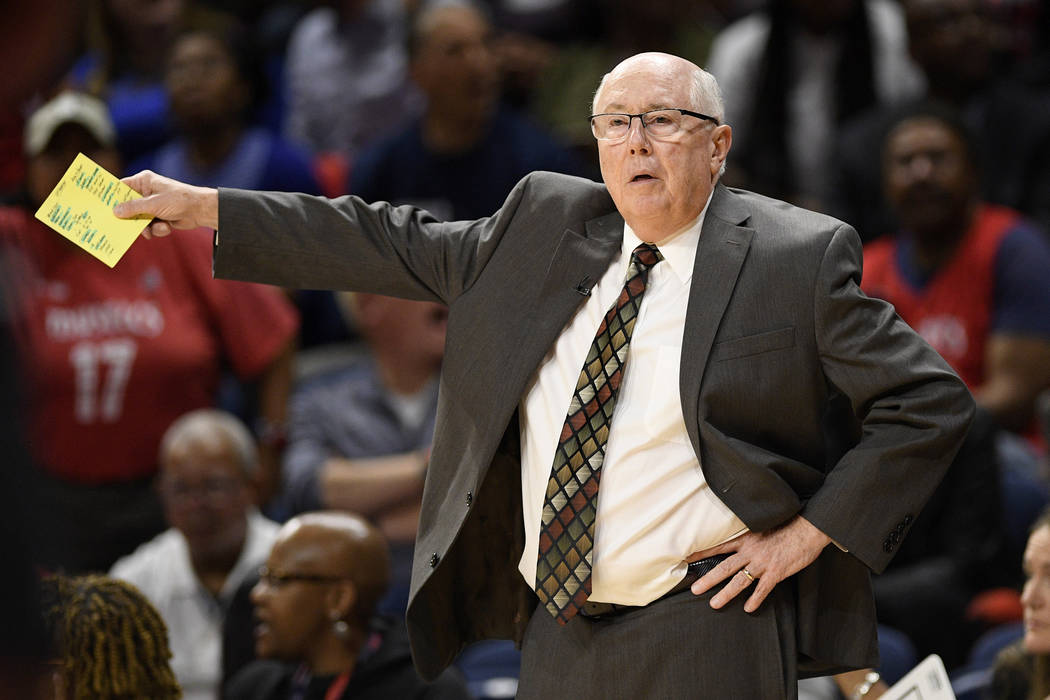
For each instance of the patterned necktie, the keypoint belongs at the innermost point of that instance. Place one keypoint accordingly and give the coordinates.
(563, 570)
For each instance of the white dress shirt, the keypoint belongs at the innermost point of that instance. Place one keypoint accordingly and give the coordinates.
(162, 570)
(654, 505)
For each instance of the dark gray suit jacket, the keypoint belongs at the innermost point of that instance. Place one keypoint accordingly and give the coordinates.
(800, 394)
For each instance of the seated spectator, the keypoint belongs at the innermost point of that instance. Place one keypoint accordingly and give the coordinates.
(795, 71)
(217, 538)
(358, 434)
(955, 43)
(970, 277)
(111, 357)
(1022, 671)
(462, 158)
(215, 83)
(110, 643)
(347, 77)
(316, 631)
(127, 43)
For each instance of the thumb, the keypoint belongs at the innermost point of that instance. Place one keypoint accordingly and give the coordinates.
(136, 207)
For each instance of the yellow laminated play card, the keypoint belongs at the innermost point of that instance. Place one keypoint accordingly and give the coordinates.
(81, 209)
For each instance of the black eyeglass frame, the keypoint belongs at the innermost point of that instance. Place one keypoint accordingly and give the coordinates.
(630, 117)
(277, 579)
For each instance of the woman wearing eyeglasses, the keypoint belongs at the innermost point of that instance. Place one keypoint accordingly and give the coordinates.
(316, 629)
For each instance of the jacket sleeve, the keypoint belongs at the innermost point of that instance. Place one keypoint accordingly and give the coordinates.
(913, 409)
(300, 241)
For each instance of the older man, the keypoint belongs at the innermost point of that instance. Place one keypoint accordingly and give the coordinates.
(217, 538)
(767, 407)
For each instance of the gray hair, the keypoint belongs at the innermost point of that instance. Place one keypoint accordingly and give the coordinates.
(205, 421)
(704, 94)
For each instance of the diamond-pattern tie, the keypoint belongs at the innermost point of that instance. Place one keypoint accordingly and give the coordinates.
(563, 569)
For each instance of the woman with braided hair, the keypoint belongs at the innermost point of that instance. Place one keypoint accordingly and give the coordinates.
(111, 644)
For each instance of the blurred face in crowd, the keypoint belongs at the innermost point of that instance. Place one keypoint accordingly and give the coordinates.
(206, 494)
(324, 567)
(454, 64)
(929, 179)
(146, 27)
(659, 185)
(290, 599)
(1035, 597)
(952, 41)
(156, 18)
(203, 82)
(43, 171)
(414, 331)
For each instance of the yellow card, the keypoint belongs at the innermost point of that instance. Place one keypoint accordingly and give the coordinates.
(81, 209)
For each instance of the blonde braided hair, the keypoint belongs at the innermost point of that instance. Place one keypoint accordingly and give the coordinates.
(112, 642)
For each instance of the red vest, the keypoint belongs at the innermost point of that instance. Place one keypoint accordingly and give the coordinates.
(953, 312)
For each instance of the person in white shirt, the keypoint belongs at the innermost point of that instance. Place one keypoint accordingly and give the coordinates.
(217, 538)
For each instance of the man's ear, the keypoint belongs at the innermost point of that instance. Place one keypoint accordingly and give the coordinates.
(722, 141)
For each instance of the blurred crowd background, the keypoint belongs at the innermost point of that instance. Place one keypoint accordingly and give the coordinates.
(159, 425)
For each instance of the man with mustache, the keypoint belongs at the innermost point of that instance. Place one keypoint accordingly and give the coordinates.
(970, 277)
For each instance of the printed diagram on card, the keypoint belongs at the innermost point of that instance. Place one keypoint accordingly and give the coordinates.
(81, 209)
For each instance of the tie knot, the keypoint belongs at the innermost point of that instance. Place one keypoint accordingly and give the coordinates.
(646, 255)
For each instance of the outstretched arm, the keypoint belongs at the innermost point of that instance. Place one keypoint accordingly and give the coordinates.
(173, 204)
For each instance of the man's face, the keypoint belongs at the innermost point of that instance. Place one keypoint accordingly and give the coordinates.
(419, 326)
(455, 65)
(292, 613)
(659, 186)
(928, 178)
(206, 495)
(412, 333)
(1035, 596)
(203, 82)
(952, 40)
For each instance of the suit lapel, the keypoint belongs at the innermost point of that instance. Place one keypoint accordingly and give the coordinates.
(720, 254)
(578, 261)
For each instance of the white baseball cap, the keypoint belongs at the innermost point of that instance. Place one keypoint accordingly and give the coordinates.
(68, 107)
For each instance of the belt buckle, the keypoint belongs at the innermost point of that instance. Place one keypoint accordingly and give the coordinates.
(601, 611)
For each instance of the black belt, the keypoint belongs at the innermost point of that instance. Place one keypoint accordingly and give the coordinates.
(598, 611)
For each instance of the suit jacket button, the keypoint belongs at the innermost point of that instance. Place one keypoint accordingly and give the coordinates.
(434, 559)
(470, 497)
(907, 520)
(887, 546)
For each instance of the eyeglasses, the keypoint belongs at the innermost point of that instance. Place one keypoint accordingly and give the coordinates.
(278, 579)
(216, 490)
(659, 123)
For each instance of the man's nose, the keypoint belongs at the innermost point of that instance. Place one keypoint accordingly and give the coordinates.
(637, 136)
(1030, 597)
(921, 167)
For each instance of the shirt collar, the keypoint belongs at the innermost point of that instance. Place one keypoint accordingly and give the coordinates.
(678, 249)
